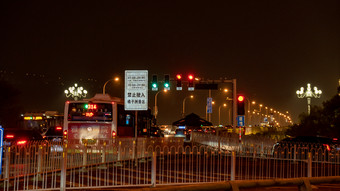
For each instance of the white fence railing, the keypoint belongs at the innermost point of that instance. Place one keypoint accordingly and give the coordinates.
(151, 162)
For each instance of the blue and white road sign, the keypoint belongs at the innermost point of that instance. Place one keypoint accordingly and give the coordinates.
(240, 120)
(209, 105)
(265, 119)
(1, 144)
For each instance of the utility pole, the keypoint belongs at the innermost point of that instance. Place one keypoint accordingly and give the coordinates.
(234, 105)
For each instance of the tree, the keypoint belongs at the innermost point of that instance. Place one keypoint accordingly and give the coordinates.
(9, 107)
(331, 115)
(322, 121)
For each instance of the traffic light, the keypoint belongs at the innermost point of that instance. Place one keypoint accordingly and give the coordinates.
(154, 84)
(179, 82)
(240, 105)
(191, 82)
(166, 82)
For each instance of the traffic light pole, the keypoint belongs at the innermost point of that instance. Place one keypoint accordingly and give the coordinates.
(179, 84)
(234, 100)
(234, 105)
(234, 114)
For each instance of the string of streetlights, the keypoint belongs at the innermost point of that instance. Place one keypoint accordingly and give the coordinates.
(274, 120)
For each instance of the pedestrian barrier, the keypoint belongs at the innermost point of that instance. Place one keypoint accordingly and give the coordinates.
(303, 184)
(153, 162)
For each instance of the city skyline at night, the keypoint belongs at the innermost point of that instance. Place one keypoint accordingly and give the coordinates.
(271, 48)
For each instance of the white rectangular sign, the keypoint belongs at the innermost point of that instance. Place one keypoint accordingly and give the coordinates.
(136, 90)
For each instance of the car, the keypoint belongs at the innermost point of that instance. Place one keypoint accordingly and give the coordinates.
(209, 130)
(182, 133)
(20, 136)
(54, 134)
(186, 132)
(54, 137)
(299, 147)
(156, 132)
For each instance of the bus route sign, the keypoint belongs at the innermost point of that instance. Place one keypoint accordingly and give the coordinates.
(136, 90)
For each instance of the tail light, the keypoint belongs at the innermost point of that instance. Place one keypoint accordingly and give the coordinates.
(58, 128)
(113, 134)
(9, 136)
(327, 147)
(21, 142)
(200, 130)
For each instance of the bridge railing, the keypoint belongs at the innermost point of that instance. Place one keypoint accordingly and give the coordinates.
(161, 161)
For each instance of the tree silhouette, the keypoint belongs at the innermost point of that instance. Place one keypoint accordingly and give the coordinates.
(9, 107)
(322, 121)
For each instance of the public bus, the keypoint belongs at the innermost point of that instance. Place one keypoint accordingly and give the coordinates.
(102, 118)
(41, 121)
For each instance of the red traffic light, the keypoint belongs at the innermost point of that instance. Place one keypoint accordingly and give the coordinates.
(191, 82)
(240, 105)
(179, 82)
(240, 98)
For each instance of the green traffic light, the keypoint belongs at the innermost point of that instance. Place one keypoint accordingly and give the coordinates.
(166, 85)
(154, 85)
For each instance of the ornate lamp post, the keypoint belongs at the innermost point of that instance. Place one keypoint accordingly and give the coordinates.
(183, 110)
(309, 93)
(75, 92)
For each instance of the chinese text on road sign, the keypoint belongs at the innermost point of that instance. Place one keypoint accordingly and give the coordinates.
(136, 90)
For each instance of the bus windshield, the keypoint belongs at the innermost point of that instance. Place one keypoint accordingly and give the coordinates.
(90, 112)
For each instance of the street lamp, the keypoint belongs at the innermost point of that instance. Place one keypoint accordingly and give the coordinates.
(249, 110)
(229, 112)
(156, 108)
(75, 92)
(183, 111)
(260, 113)
(116, 79)
(308, 94)
(219, 113)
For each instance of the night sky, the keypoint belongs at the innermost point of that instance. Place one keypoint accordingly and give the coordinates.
(272, 48)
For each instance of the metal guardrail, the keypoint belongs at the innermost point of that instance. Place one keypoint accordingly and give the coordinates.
(163, 161)
(303, 184)
(231, 142)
